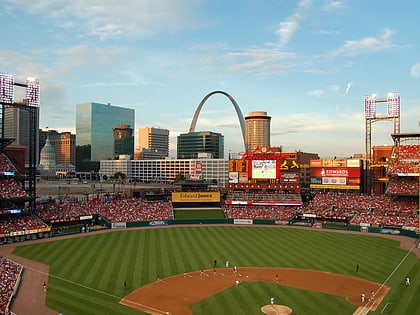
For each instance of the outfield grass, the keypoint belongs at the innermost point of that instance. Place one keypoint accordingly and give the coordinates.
(87, 273)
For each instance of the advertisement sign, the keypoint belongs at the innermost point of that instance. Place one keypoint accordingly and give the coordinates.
(264, 203)
(198, 168)
(334, 172)
(334, 181)
(242, 221)
(315, 163)
(289, 177)
(243, 177)
(195, 196)
(315, 186)
(353, 163)
(316, 180)
(233, 177)
(158, 223)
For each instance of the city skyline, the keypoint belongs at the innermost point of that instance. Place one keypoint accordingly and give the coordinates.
(308, 64)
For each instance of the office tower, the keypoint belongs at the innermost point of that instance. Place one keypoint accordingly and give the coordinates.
(257, 130)
(17, 126)
(197, 144)
(64, 144)
(123, 141)
(94, 129)
(152, 143)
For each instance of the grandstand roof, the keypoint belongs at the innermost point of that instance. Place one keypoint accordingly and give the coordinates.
(405, 135)
(4, 142)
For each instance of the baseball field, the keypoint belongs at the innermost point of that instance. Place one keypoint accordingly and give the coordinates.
(116, 273)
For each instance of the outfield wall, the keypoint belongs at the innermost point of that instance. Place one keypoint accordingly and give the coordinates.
(103, 224)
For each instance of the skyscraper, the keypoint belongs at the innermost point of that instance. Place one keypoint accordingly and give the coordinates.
(94, 127)
(123, 141)
(257, 130)
(191, 145)
(152, 143)
(17, 126)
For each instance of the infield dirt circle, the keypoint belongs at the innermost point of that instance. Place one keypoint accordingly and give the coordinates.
(162, 296)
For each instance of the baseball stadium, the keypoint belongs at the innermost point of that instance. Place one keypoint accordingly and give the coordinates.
(288, 233)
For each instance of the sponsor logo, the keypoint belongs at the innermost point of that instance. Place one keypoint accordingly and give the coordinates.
(158, 223)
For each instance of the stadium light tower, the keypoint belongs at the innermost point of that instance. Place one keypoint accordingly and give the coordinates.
(371, 116)
(31, 106)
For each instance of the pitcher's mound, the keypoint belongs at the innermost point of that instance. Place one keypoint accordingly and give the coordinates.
(276, 309)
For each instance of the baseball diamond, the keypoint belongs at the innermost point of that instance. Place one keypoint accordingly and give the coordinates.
(87, 273)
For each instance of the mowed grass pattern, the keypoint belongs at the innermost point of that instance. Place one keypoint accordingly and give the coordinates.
(87, 273)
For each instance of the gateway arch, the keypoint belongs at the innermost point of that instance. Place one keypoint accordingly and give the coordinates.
(235, 105)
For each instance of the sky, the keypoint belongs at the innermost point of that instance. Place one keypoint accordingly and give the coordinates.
(307, 63)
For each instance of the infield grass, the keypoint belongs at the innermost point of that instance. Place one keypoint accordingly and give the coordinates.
(87, 273)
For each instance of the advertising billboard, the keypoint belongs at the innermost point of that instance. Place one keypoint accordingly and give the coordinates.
(335, 172)
(205, 196)
(336, 177)
(233, 177)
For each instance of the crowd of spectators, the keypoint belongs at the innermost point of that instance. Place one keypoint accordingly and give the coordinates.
(282, 213)
(263, 196)
(10, 188)
(12, 223)
(114, 210)
(358, 208)
(380, 211)
(403, 167)
(6, 165)
(409, 151)
(405, 161)
(9, 276)
(403, 186)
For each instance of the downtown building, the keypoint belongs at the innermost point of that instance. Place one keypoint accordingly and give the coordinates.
(123, 141)
(17, 126)
(63, 143)
(167, 170)
(95, 124)
(199, 144)
(152, 143)
(257, 132)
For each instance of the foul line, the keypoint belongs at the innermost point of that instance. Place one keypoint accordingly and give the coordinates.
(391, 274)
(97, 291)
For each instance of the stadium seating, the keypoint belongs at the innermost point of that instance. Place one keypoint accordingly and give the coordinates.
(9, 276)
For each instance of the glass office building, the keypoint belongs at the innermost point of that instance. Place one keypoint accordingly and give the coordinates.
(123, 141)
(191, 145)
(95, 124)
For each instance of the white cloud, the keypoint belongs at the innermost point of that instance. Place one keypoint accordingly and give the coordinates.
(349, 85)
(333, 88)
(287, 28)
(415, 70)
(366, 45)
(317, 93)
(112, 18)
(333, 5)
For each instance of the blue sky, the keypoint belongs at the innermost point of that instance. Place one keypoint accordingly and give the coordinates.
(307, 63)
